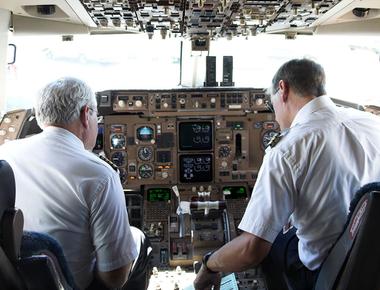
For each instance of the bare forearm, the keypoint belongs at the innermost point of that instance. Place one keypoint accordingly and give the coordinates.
(242, 253)
(115, 278)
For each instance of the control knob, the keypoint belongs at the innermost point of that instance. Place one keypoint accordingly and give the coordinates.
(121, 103)
(224, 151)
(7, 120)
(12, 129)
(259, 102)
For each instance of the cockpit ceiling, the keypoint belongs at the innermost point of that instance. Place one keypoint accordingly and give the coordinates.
(195, 18)
(206, 18)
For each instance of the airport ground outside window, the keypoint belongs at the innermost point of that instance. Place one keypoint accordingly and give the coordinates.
(352, 64)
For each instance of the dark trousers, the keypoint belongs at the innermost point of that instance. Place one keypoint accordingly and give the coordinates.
(139, 276)
(283, 268)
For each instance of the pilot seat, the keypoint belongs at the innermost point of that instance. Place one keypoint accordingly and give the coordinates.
(354, 261)
(28, 260)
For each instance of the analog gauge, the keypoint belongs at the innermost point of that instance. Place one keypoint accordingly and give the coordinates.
(267, 136)
(224, 151)
(123, 175)
(145, 133)
(117, 141)
(118, 158)
(146, 171)
(145, 153)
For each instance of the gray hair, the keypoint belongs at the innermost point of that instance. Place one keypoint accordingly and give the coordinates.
(60, 102)
(304, 76)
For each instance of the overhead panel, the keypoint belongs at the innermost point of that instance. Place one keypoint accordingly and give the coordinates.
(206, 18)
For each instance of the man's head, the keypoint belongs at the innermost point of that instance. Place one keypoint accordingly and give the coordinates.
(69, 103)
(296, 82)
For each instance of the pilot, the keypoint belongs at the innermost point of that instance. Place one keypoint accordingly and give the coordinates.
(308, 177)
(68, 192)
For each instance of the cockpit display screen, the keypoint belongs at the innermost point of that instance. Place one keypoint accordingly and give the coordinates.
(118, 141)
(195, 168)
(158, 194)
(195, 135)
(145, 133)
(235, 192)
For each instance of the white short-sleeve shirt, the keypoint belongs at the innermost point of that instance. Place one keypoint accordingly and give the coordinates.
(311, 175)
(69, 193)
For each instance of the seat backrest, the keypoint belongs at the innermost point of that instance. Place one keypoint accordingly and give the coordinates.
(7, 187)
(11, 224)
(354, 261)
(41, 263)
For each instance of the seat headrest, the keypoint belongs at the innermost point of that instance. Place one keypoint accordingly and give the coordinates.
(374, 186)
(7, 187)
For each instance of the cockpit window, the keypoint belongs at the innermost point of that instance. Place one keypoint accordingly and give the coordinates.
(352, 64)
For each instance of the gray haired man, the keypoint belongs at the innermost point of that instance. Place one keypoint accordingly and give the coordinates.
(68, 192)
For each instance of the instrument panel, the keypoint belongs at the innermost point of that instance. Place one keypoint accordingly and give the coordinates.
(214, 101)
(186, 136)
(18, 124)
(193, 155)
(187, 160)
(175, 149)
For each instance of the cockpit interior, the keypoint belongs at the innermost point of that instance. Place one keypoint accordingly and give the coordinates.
(187, 157)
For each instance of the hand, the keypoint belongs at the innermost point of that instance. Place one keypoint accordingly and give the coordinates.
(205, 280)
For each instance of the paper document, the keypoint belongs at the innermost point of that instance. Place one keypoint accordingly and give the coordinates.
(228, 283)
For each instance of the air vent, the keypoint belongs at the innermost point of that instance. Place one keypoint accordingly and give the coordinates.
(45, 11)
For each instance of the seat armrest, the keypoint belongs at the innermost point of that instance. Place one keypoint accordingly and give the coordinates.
(9, 276)
(40, 272)
(12, 223)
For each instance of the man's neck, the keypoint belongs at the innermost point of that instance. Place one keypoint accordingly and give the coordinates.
(297, 103)
(72, 127)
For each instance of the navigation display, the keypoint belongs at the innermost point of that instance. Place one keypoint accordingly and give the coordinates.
(195, 168)
(195, 135)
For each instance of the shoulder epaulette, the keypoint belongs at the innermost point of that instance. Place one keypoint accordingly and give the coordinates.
(275, 139)
(109, 162)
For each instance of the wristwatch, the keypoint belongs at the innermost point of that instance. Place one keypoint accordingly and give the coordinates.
(205, 259)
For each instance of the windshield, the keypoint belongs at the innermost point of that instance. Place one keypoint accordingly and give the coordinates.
(130, 61)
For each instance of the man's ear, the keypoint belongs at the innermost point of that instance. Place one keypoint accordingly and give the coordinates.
(84, 116)
(284, 90)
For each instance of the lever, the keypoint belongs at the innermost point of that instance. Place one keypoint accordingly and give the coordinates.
(181, 218)
(207, 205)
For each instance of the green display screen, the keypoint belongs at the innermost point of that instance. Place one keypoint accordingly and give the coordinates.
(158, 194)
(236, 192)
